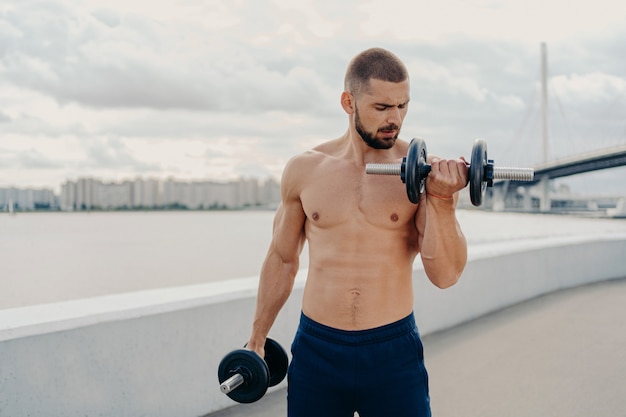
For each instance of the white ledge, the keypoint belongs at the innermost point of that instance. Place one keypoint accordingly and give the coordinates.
(48, 318)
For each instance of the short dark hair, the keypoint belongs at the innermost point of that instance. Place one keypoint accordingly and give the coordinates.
(374, 63)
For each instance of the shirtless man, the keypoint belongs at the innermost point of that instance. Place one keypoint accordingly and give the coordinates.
(357, 347)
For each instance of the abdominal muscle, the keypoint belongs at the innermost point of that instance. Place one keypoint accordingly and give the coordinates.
(360, 280)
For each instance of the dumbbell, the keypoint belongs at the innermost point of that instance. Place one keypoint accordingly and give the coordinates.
(414, 169)
(245, 377)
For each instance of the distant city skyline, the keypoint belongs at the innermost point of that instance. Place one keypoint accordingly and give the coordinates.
(56, 188)
(91, 193)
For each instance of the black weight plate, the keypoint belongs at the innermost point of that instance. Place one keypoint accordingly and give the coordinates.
(252, 368)
(416, 172)
(277, 361)
(477, 183)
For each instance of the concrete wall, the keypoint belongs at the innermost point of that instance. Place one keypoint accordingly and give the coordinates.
(155, 353)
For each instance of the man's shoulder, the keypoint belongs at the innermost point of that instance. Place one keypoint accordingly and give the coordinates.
(311, 156)
(303, 165)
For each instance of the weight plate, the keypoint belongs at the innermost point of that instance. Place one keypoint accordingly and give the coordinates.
(252, 368)
(277, 361)
(477, 183)
(415, 170)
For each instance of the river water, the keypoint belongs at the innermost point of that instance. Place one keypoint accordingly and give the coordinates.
(51, 257)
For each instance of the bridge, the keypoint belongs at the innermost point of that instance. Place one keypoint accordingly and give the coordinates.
(590, 161)
(503, 195)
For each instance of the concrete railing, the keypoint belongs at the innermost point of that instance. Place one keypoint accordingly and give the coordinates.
(155, 353)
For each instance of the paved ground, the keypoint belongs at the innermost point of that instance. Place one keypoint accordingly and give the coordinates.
(563, 354)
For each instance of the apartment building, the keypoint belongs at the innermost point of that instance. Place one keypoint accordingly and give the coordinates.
(94, 194)
(27, 199)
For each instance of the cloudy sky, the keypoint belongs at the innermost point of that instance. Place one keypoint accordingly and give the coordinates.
(222, 89)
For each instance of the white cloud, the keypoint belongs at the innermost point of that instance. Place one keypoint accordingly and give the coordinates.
(530, 21)
(192, 88)
(591, 87)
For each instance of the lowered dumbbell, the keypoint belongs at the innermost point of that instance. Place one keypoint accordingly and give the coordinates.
(414, 169)
(245, 377)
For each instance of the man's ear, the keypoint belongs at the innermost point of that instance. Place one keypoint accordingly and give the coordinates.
(347, 102)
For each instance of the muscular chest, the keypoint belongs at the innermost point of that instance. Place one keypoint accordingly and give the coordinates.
(348, 196)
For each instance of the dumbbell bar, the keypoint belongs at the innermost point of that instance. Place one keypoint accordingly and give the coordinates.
(414, 169)
(245, 377)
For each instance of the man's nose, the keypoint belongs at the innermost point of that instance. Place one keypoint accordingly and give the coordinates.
(394, 116)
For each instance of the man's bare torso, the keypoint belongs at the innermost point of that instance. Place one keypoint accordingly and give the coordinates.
(362, 241)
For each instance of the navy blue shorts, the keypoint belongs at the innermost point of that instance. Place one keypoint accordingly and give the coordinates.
(377, 372)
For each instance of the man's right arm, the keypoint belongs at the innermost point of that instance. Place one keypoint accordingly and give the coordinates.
(281, 262)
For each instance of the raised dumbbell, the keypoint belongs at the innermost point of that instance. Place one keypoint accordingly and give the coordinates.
(414, 169)
(245, 377)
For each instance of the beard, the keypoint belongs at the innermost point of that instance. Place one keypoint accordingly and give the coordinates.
(370, 138)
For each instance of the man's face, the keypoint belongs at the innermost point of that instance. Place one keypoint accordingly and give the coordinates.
(380, 111)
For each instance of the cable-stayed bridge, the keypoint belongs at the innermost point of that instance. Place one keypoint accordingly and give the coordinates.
(537, 195)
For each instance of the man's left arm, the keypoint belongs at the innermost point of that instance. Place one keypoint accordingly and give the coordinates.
(442, 243)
